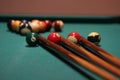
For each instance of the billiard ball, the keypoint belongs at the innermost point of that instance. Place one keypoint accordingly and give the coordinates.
(48, 24)
(54, 37)
(43, 26)
(32, 39)
(74, 37)
(15, 25)
(94, 37)
(24, 21)
(35, 20)
(25, 28)
(58, 25)
(35, 25)
(9, 24)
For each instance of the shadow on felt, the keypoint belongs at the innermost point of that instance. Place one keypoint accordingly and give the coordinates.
(67, 60)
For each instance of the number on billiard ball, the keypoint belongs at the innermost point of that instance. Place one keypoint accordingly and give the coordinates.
(94, 37)
(32, 39)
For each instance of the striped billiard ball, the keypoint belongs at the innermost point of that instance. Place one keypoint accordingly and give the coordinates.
(94, 37)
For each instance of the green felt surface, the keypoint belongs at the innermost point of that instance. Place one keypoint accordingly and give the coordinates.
(19, 62)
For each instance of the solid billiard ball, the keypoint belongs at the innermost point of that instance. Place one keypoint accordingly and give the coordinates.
(32, 39)
(94, 37)
(58, 25)
(54, 37)
(9, 24)
(15, 25)
(24, 28)
(35, 20)
(48, 24)
(35, 25)
(43, 26)
(74, 37)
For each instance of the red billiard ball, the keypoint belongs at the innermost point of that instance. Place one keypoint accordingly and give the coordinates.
(74, 37)
(48, 24)
(54, 37)
(58, 25)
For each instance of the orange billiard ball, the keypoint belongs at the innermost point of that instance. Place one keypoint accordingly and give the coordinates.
(15, 24)
(43, 26)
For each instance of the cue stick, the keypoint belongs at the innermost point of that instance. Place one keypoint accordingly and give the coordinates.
(105, 54)
(92, 57)
(79, 60)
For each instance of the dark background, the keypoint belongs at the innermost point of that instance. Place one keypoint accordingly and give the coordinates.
(61, 7)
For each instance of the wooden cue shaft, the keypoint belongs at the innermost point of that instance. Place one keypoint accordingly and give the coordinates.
(92, 57)
(79, 60)
(105, 54)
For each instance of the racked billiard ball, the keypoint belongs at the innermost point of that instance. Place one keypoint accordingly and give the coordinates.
(32, 39)
(24, 21)
(35, 25)
(58, 25)
(94, 37)
(13, 25)
(9, 24)
(48, 24)
(24, 28)
(43, 26)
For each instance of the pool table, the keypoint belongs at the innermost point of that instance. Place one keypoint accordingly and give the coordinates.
(20, 62)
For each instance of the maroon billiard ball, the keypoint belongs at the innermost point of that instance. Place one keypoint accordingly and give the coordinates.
(58, 25)
(48, 24)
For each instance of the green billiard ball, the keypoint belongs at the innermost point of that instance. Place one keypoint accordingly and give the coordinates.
(32, 39)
